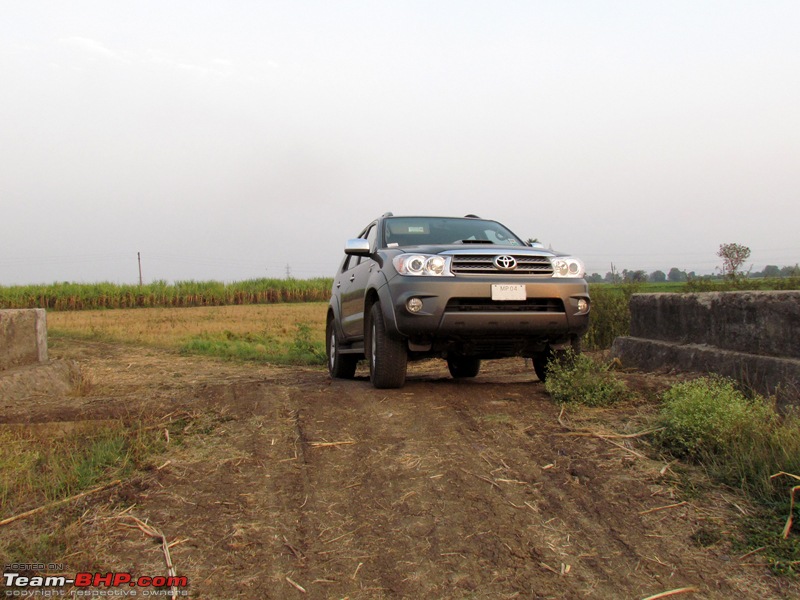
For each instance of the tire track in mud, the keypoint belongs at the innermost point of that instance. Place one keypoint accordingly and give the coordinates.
(445, 492)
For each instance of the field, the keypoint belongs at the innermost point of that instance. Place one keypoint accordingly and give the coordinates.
(273, 481)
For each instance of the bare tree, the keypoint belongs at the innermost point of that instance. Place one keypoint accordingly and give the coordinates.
(733, 257)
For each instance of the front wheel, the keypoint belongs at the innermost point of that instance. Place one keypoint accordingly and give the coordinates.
(463, 366)
(340, 366)
(388, 358)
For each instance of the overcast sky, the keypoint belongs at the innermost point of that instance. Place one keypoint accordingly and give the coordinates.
(227, 140)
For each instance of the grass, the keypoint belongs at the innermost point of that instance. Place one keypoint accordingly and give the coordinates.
(741, 442)
(302, 349)
(276, 333)
(47, 462)
(37, 468)
(580, 379)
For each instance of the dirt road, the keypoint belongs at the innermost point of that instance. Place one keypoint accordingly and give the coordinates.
(293, 485)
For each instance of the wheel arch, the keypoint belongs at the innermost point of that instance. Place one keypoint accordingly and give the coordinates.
(381, 295)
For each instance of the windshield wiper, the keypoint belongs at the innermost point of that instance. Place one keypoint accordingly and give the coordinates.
(475, 242)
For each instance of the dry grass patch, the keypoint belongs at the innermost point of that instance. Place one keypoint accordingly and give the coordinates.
(170, 328)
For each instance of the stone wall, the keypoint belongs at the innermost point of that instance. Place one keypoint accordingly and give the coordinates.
(23, 337)
(751, 336)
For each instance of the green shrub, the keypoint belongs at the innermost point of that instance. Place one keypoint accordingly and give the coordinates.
(740, 440)
(610, 316)
(705, 416)
(582, 380)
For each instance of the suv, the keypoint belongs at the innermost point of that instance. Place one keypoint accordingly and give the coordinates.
(464, 289)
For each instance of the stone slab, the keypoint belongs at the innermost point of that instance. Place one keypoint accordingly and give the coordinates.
(763, 323)
(23, 337)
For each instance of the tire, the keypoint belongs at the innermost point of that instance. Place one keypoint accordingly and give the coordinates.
(463, 366)
(387, 357)
(340, 366)
(541, 361)
(540, 365)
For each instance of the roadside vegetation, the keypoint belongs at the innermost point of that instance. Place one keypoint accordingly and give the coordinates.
(42, 467)
(739, 439)
(286, 333)
(580, 379)
(77, 296)
(743, 443)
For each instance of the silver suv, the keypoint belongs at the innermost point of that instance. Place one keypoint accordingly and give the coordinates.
(464, 289)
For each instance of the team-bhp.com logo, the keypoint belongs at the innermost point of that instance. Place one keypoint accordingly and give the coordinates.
(119, 584)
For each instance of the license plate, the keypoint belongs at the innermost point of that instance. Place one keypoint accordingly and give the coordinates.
(507, 291)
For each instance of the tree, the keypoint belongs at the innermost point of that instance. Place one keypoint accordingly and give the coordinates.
(676, 275)
(658, 277)
(639, 276)
(733, 257)
(790, 271)
(771, 271)
(594, 278)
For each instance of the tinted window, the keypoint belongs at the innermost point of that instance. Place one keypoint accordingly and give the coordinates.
(414, 231)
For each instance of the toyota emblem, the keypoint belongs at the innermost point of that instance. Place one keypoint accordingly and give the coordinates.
(505, 263)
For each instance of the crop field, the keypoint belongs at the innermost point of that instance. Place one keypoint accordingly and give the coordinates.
(77, 296)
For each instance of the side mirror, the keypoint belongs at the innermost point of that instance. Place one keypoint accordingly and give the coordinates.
(358, 246)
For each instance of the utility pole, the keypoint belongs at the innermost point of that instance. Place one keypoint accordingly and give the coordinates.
(139, 257)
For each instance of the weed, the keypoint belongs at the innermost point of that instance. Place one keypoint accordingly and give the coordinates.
(301, 349)
(610, 316)
(706, 415)
(741, 442)
(758, 536)
(582, 380)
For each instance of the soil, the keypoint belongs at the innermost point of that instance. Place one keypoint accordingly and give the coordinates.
(287, 484)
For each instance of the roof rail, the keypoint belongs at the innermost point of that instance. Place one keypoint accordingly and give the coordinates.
(387, 214)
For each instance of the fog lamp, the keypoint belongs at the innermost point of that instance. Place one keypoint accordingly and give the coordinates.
(583, 305)
(414, 305)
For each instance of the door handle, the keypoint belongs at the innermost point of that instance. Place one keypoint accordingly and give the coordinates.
(338, 284)
(352, 278)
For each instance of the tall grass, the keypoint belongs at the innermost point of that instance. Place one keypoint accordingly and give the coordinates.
(74, 296)
(742, 442)
(610, 316)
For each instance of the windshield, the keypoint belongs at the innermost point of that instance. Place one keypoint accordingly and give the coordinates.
(415, 231)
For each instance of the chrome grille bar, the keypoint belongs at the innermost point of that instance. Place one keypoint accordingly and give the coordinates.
(465, 264)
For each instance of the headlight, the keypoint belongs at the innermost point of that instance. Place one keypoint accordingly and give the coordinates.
(422, 264)
(567, 266)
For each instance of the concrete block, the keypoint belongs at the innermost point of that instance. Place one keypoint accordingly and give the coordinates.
(23, 337)
(753, 337)
(763, 323)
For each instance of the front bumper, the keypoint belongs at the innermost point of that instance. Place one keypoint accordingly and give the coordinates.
(461, 308)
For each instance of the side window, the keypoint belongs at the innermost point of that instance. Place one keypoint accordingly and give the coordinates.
(372, 236)
(349, 263)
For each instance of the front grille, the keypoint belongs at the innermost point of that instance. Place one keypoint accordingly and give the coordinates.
(539, 305)
(464, 264)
